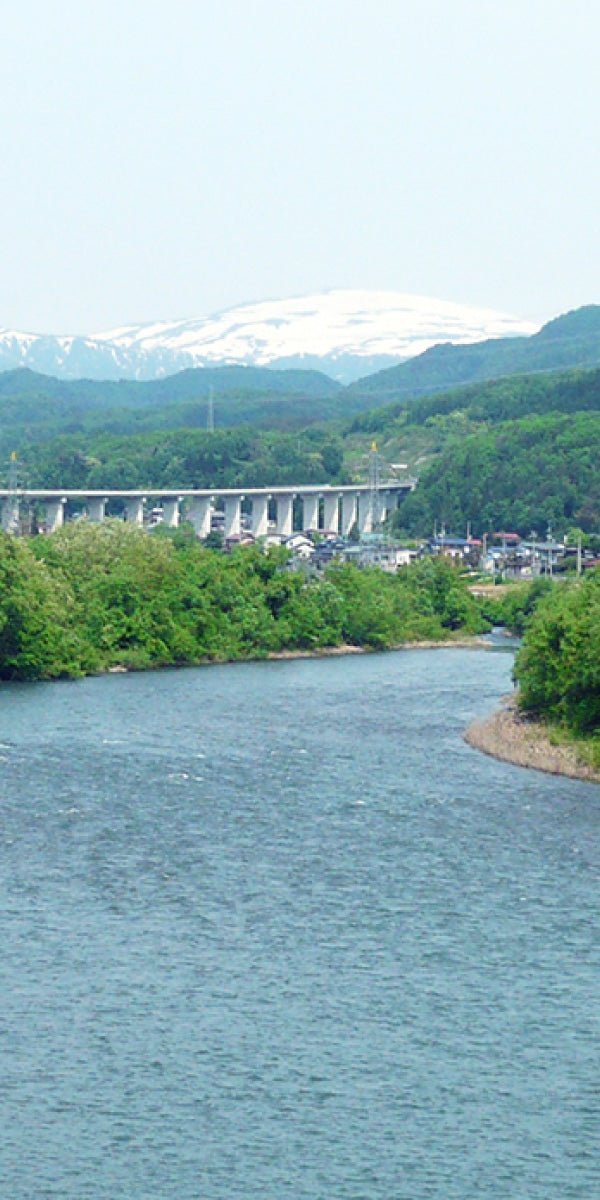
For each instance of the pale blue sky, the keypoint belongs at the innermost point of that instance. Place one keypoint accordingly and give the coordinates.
(169, 159)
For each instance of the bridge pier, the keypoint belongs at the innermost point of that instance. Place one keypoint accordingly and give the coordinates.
(134, 510)
(10, 514)
(285, 514)
(55, 514)
(199, 514)
(233, 516)
(365, 514)
(260, 516)
(349, 512)
(170, 509)
(310, 517)
(96, 508)
(331, 514)
(385, 500)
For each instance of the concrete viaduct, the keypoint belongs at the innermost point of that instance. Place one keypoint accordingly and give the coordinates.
(330, 508)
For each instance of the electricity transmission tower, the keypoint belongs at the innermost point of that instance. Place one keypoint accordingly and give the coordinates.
(374, 486)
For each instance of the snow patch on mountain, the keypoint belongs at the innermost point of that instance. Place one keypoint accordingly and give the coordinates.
(347, 333)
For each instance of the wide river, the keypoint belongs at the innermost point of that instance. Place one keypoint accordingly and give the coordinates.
(274, 931)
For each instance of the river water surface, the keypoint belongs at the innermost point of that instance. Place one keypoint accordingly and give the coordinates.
(274, 931)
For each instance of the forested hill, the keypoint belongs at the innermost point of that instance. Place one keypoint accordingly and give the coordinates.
(498, 400)
(572, 340)
(37, 407)
(173, 389)
(518, 453)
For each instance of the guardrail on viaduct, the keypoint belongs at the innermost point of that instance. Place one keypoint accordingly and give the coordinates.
(324, 507)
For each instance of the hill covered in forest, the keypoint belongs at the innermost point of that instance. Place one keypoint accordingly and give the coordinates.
(518, 453)
(568, 341)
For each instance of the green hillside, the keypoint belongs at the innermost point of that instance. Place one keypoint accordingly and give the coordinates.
(183, 458)
(517, 452)
(38, 407)
(174, 389)
(520, 475)
(568, 341)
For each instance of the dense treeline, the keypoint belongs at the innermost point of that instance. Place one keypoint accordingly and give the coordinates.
(186, 458)
(517, 453)
(519, 475)
(558, 665)
(93, 597)
(36, 408)
(500, 400)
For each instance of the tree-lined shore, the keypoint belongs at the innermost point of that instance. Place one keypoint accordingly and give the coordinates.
(93, 597)
(553, 721)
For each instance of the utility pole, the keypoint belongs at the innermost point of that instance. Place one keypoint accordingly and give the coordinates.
(210, 414)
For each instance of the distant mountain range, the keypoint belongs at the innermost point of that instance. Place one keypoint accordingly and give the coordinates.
(567, 342)
(35, 406)
(345, 334)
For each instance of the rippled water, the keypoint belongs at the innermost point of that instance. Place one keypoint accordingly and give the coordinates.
(273, 930)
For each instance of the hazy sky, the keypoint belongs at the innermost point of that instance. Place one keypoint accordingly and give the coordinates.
(169, 158)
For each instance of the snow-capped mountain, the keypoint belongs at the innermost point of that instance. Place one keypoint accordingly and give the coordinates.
(347, 334)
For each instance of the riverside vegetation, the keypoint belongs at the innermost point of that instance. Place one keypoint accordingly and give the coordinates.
(558, 666)
(553, 721)
(94, 597)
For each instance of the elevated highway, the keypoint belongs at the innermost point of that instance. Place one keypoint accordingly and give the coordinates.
(318, 507)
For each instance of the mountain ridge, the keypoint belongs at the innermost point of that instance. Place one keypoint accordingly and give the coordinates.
(568, 341)
(339, 332)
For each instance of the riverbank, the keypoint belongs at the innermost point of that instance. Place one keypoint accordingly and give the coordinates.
(476, 642)
(509, 736)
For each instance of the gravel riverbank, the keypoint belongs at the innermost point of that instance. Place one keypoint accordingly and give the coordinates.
(507, 735)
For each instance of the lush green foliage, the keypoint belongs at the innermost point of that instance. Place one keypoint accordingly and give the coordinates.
(514, 605)
(516, 453)
(558, 666)
(95, 596)
(186, 458)
(518, 475)
(37, 408)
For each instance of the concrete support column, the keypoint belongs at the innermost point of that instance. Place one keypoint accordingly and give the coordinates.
(96, 508)
(55, 514)
(331, 513)
(349, 512)
(10, 514)
(199, 514)
(365, 514)
(310, 519)
(285, 514)
(233, 516)
(260, 516)
(134, 510)
(386, 505)
(171, 512)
